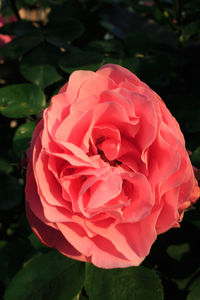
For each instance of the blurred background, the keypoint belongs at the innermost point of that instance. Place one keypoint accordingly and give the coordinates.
(41, 43)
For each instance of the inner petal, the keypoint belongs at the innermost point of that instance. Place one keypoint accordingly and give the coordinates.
(107, 138)
(104, 191)
(110, 147)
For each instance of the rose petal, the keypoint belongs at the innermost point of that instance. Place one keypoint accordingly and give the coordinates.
(118, 74)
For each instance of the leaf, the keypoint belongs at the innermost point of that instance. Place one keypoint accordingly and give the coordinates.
(191, 29)
(155, 70)
(196, 157)
(185, 107)
(12, 256)
(194, 290)
(80, 60)
(137, 43)
(20, 45)
(19, 28)
(134, 283)
(178, 251)
(188, 114)
(22, 138)
(42, 75)
(65, 10)
(115, 30)
(5, 166)
(35, 242)
(183, 283)
(21, 100)
(50, 276)
(110, 46)
(30, 2)
(60, 36)
(42, 71)
(82, 298)
(11, 192)
(132, 63)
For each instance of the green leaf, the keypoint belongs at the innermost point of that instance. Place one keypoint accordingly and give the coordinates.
(185, 107)
(81, 297)
(11, 192)
(113, 59)
(21, 100)
(194, 290)
(20, 45)
(183, 283)
(42, 75)
(60, 36)
(110, 46)
(12, 256)
(191, 29)
(41, 71)
(22, 138)
(30, 2)
(134, 283)
(132, 63)
(115, 30)
(35, 242)
(188, 114)
(5, 166)
(80, 60)
(155, 70)
(50, 276)
(137, 43)
(63, 10)
(178, 251)
(196, 157)
(19, 28)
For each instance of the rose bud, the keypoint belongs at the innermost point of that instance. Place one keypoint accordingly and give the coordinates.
(108, 170)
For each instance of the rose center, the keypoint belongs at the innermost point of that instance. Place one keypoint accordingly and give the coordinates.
(113, 163)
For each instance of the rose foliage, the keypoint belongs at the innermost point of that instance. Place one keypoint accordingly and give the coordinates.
(4, 39)
(108, 170)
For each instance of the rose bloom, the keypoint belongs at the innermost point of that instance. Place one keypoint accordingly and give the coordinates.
(108, 170)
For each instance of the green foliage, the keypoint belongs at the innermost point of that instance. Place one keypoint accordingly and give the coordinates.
(130, 283)
(177, 251)
(194, 290)
(49, 276)
(138, 43)
(196, 157)
(20, 28)
(110, 46)
(22, 138)
(5, 166)
(80, 60)
(156, 69)
(21, 100)
(11, 192)
(62, 35)
(12, 256)
(42, 71)
(20, 45)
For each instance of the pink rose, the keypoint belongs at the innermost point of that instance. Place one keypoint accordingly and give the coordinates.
(108, 169)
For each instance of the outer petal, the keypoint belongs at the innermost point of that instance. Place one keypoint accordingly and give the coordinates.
(118, 74)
